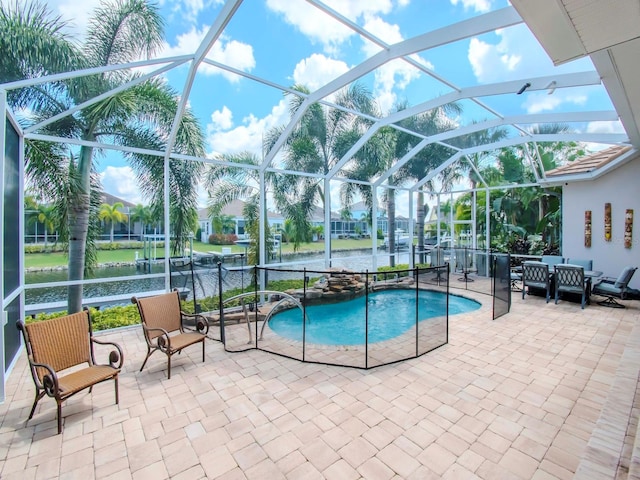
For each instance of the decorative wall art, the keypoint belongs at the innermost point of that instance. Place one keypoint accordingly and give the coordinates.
(587, 228)
(607, 222)
(628, 228)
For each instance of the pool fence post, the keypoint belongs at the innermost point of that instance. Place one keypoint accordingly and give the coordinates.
(304, 313)
(242, 272)
(448, 278)
(220, 308)
(255, 301)
(416, 276)
(366, 321)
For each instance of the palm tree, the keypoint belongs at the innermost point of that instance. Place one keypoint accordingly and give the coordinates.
(226, 184)
(120, 31)
(141, 213)
(40, 213)
(288, 231)
(223, 223)
(31, 212)
(537, 209)
(314, 146)
(374, 158)
(112, 214)
(385, 148)
(428, 123)
(48, 217)
(475, 161)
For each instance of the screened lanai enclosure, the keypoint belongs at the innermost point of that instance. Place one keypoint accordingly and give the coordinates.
(327, 119)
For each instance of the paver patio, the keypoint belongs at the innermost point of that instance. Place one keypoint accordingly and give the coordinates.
(544, 392)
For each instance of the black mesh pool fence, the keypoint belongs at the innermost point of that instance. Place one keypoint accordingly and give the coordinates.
(501, 284)
(336, 316)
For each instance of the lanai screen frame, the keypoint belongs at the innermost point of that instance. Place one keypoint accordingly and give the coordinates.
(488, 22)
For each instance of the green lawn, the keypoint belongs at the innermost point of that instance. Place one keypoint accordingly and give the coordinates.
(50, 260)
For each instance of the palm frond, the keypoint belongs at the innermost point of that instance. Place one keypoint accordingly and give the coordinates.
(33, 44)
(122, 31)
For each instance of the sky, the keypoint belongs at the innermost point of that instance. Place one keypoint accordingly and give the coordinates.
(290, 42)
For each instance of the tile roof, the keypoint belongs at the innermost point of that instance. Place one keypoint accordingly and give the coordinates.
(111, 199)
(590, 162)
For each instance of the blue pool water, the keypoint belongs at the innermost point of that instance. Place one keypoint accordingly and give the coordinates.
(391, 313)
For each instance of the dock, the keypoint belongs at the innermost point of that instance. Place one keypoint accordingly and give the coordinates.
(224, 255)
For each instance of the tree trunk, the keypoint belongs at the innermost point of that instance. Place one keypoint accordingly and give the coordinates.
(79, 228)
(112, 224)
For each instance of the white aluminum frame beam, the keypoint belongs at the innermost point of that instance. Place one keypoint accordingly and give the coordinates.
(613, 138)
(120, 88)
(210, 38)
(30, 82)
(604, 61)
(377, 41)
(501, 88)
(488, 22)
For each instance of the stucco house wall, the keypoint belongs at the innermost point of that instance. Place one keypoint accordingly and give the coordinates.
(621, 188)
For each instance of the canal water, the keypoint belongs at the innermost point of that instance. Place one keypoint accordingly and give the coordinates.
(206, 281)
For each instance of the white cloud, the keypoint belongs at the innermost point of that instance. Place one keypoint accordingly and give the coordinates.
(605, 127)
(222, 120)
(394, 75)
(230, 52)
(387, 32)
(480, 6)
(386, 100)
(491, 63)
(515, 54)
(121, 182)
(78, 13)
(249, 135)
(188, 9)
(316, 70)
(354, 9)
(539, 102)
(321, 28)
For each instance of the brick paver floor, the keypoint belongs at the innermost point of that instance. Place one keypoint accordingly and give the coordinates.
(544, 392)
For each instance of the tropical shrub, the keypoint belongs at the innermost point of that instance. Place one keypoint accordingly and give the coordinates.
(402, 268)
(133, 245)
(222, 238)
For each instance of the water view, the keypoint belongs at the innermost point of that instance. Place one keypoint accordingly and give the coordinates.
(206, 278)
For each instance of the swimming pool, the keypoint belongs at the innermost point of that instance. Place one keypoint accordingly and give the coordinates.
(391, 313)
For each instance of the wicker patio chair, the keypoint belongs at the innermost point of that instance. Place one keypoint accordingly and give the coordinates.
(163, 326)
(55, 347)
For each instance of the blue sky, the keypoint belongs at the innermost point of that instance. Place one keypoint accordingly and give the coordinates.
(290, 41)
